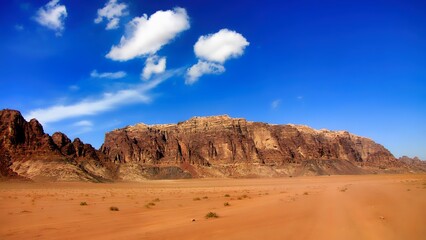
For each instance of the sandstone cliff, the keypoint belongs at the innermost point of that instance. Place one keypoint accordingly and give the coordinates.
(26, 151)
(217, 146)
(223, 146)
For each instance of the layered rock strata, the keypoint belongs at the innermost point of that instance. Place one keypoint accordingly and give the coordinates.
(222, 143)
(217, 146)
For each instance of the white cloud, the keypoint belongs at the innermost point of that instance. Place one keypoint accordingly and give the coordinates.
(112, 11)
(52, 16)
(220, 46)
(106, 102)
(112, 24)
(201, 68)
(83, 123)
(213, 50)
(145, 36)
(109, 75)
(275, 104)
(153, 65)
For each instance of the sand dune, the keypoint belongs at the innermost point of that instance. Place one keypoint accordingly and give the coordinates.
(328, 207)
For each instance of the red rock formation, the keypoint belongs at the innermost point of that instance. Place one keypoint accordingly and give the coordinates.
(222, 142)
(24, 145)
(200, 147)
(414, 164)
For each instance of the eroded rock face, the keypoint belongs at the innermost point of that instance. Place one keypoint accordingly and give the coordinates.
(23, 139)
(220, 142)
(24, 145)
(217, 146)
(414, 164)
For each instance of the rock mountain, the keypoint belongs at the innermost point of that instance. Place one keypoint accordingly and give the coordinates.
(217, 146)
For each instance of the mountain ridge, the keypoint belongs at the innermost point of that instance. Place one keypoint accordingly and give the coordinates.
(213, 146)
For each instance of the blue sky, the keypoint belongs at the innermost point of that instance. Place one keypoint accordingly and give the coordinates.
(87, 67)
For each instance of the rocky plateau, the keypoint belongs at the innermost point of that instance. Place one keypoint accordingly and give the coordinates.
(218, 146)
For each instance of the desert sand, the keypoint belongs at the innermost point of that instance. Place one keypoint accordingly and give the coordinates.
(325, 207)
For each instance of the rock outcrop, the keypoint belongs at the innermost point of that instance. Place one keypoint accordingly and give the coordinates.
(26, 151)
(217, 146)
(414, 164)
(223, 146)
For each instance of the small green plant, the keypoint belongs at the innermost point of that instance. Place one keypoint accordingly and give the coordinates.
(83, 203)
(211, 215)
(196, 199)
(226, 204)
(227, 195)
(112, 208)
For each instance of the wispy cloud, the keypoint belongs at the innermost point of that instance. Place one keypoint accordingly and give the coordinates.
(19, 27)
(201, 68)
(145, 36)
(112, 12)
(153, 65)
(213, 50)
(83, 126)
(74, 88)
(276, 103)
(105, 102)
(52, 16)
(109, 75)
(83, 123)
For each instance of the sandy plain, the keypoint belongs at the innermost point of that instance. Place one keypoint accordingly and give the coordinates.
(326, 207)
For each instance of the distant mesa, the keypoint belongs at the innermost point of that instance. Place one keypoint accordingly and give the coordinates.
(216, 146)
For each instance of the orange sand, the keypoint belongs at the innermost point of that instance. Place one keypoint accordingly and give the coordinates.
(327, 207)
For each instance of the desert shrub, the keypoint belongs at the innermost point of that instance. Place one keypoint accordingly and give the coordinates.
(227, 195)
(205, 197)
(226, 204)
(83, 203)
(150, 204)
(156, 200)
(211, 215)
(196, 199)
(112, 208)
